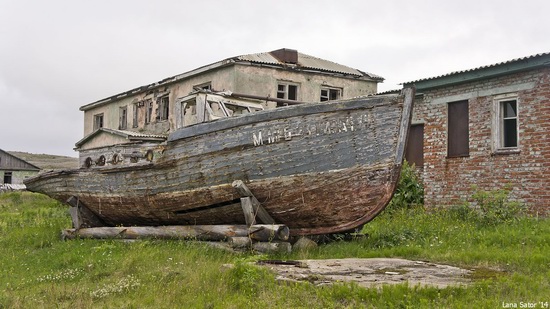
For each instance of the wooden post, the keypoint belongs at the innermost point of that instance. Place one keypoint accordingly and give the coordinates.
(256, 206)
(81, 215)
(246, 204)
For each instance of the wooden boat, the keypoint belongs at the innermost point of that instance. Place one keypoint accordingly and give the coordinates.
(317, 168)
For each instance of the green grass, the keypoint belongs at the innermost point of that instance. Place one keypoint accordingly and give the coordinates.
(512, 262)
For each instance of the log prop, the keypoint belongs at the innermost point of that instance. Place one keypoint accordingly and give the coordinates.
(257, 208)
(257, 232)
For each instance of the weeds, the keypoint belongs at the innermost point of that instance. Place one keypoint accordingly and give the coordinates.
(40, 270)
(409, 192)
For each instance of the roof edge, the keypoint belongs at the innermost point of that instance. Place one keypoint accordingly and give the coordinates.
(483, 72)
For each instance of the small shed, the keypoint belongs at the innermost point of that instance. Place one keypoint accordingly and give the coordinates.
(14, 170)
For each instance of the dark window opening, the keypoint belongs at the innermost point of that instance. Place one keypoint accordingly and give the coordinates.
(164, 108)
(135, 116)
(98, 121)
(148, 110)
(328, 94)
(458, 129)
(7, 177)
(509, 124)
(123, 118)
(287, 91)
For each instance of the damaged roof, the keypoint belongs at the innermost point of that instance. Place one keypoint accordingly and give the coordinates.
(283, 58)
(483, 72)
(305, 62)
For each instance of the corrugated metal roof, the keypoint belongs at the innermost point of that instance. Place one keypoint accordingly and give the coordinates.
(480, 68)
(307, 62)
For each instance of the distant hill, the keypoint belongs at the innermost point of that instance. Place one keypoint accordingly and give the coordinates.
(46, 161)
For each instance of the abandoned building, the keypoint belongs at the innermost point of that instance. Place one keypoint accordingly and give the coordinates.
(13, 169)
(487, 127)
(147, 114)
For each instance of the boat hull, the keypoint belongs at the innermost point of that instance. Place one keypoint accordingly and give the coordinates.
(317, 168)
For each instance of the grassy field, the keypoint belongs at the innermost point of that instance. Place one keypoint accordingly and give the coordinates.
(41, 271)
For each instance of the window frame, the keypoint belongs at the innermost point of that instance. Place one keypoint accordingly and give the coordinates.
(163, 108)
(123, 117)
(498, 124)
(99, 121)
(135, 114)
(286, 91)
(148, 111)
(329, 90)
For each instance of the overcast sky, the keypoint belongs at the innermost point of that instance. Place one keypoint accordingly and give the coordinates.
(56, 56)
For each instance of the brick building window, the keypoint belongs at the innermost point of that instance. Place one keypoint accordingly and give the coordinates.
(287, 91)
(328, 94)
(458, 129)
(98, 121)
(506, 121)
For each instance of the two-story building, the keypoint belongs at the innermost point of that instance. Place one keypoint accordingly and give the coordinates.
(487, 127)
(148, 113)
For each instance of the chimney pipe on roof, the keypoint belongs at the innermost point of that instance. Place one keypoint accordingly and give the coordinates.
(286, 55)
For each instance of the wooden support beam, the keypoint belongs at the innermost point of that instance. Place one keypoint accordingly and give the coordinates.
(261, 213)
(81, 216)
(256, 232)
(248, 210)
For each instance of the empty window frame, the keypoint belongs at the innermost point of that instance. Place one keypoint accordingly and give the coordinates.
(287, 91)
(8, 177)
(328, 94)
(135, 115)
(203, 86)
(506, 127)
(163, 108)
(458, 129)
(148, 110)
(98, 121)
(123, 118)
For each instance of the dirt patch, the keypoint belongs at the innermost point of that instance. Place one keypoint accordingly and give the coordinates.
(370, 272)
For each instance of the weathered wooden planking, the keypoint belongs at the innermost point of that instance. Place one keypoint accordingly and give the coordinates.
(320, 168)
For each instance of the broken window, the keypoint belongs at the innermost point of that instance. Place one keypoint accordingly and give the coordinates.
(135, 116)
(287, 91)
(506, 133)
(328, 94)
(203, 86)
(458, 129)
(189, 113)
(7, 177)
(98, 121)
(164, 108)
(123, 118)
(148, 110)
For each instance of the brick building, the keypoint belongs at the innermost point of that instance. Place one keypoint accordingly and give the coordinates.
(489, 127)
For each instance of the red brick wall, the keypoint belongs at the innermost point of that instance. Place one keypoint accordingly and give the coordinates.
(449, 181)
